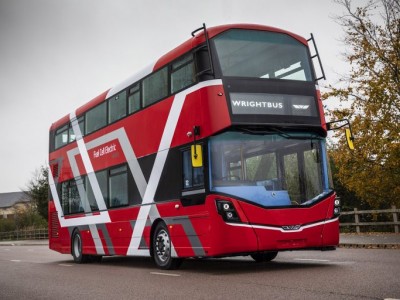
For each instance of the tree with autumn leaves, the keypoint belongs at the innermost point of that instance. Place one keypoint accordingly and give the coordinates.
(370, 97)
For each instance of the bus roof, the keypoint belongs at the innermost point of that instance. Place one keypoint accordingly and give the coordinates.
(198, 39)
(186, 46)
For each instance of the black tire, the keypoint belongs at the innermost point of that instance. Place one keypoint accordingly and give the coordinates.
(264, 256)
(162, 247)
(76, 249)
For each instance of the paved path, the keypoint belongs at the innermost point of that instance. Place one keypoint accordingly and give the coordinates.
(24, 243)
(370, 240)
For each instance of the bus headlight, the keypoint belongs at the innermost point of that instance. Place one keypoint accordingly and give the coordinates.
(336, 208)
(227, 210)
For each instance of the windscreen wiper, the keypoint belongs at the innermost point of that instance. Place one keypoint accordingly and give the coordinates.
(287, 135)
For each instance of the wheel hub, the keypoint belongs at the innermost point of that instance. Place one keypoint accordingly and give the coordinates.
(163, 245)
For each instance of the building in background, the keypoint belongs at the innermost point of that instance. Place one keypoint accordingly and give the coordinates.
(10, 203)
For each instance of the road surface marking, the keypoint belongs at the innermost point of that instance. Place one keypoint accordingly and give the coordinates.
(312, 259)
(65, 265)
(165, 274)
(15, 260)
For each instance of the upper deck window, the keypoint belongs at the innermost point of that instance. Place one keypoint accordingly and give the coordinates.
(155, 87)
(261, 54)
(61, 138)
(96, 118)
(134, 99)
(117, 107)
(182, 73)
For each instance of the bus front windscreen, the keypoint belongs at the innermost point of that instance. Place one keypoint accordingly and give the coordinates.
(262, 54)
(270, 169)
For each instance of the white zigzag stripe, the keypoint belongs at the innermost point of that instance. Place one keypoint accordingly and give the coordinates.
(147, 190)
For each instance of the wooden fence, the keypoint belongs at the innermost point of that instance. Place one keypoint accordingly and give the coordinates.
(31, 234)
(393, 212)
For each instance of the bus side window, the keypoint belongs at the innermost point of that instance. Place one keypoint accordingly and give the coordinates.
(117, 107)
(96, 118)
(61, 138)
(192, 177)
(134, 99)
(182, 73)
(70, 199)
(155, 87)
(81, 123)
(118, 186)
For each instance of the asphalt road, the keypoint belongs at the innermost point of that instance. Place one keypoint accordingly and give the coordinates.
(34, 272)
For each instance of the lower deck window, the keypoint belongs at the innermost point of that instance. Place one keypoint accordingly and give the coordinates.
(77, 195)
(118, 183)
(70, 198)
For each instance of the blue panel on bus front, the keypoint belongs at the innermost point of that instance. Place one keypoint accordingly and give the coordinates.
(256, 194)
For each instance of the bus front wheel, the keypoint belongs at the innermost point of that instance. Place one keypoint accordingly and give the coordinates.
(162, 248)
(264, 257)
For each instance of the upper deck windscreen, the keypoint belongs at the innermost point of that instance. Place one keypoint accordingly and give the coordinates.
(261, 54)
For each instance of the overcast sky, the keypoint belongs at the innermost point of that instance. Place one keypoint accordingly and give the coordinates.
(55, 55)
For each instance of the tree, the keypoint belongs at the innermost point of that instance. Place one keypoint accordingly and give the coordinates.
(371, 98)
(28, 218)
(38, 190)
(348, 199)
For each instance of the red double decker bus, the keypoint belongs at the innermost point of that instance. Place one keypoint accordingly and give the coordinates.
(217, 149)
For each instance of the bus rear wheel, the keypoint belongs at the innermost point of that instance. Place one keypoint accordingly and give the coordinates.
(76, 249)
(264, 256)
(162, 248)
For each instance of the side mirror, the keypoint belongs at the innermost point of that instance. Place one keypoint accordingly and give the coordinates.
(197, 156)
(350, 139)
(348, 131)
